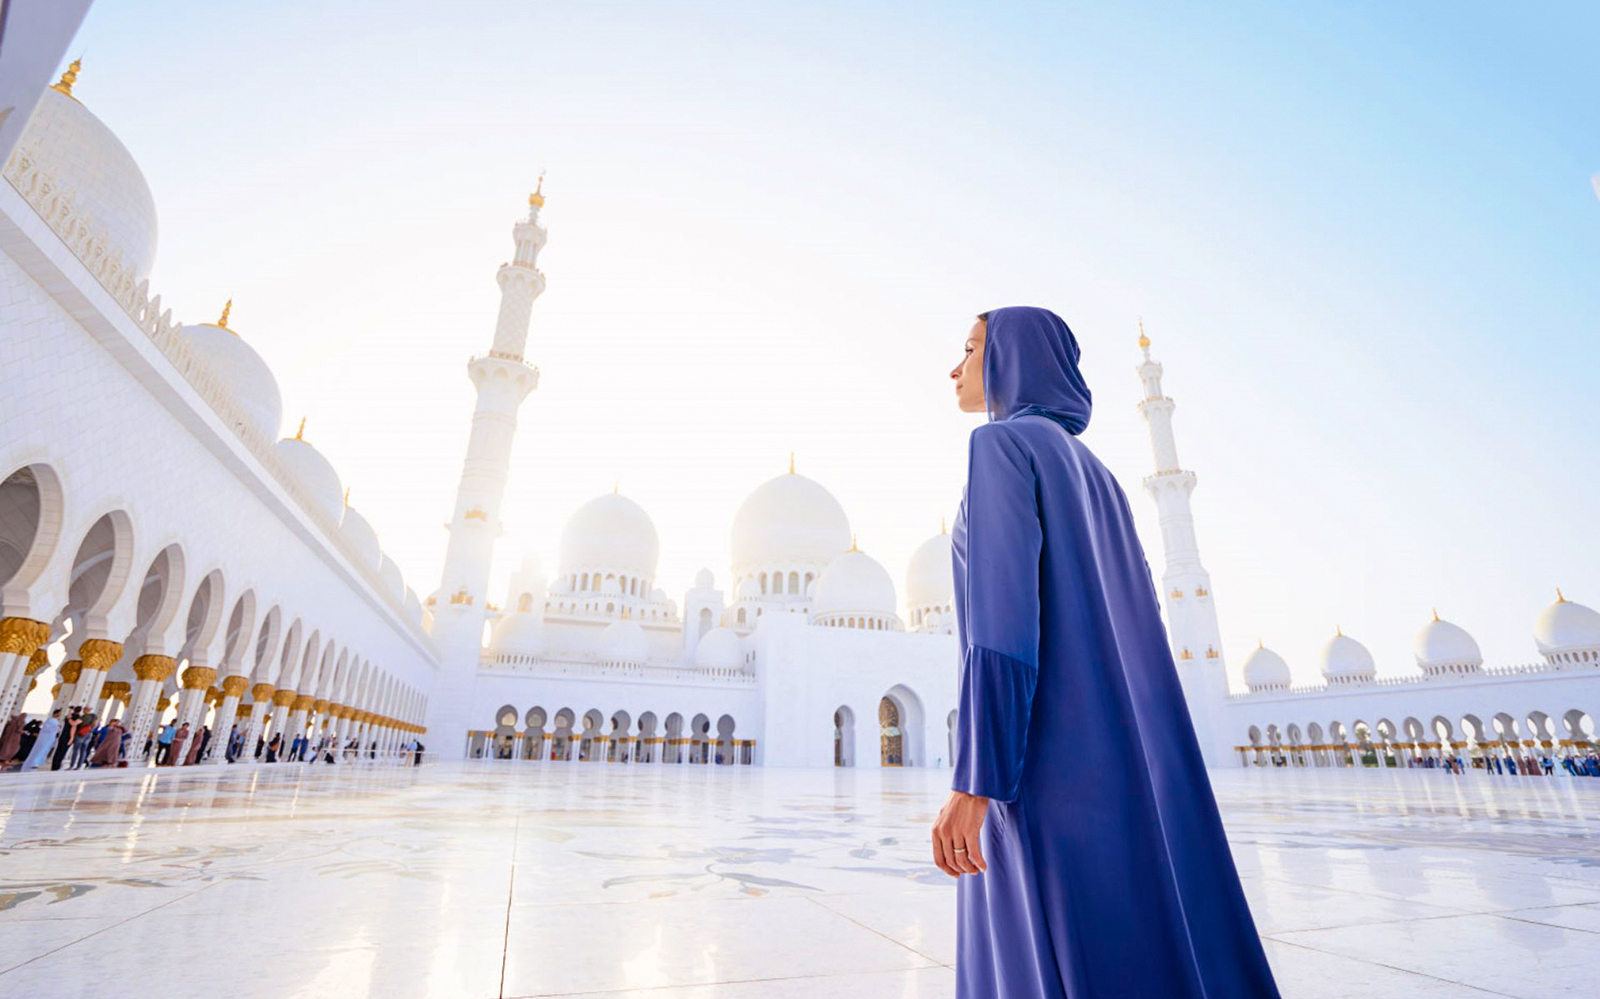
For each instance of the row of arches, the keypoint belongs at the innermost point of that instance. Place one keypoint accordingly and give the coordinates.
(197, 653)
(1385, 744)
(900, 727)
(564, 736)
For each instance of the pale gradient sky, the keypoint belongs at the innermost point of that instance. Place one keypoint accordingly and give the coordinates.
(1362, 237)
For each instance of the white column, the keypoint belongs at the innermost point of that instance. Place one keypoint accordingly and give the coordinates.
(20, 638)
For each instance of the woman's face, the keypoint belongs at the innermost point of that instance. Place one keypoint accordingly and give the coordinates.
(968, 374)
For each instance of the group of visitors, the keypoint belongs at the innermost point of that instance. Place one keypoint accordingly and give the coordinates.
(76, 739)
(1526, 765)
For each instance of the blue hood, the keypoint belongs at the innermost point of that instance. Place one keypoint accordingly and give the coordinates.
(1030, 365)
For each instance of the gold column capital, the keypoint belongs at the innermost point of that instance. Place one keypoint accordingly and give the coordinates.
(120, 689)
(243, 711)
(320, 705)
(154, 667)
(37, 662)
(303, 701)
(163, 704)
(20, 636)
(70, 670)
(99, 653)
(235, 686)
(213, 695)
(262, 692)
(199, 677)
(284, 698)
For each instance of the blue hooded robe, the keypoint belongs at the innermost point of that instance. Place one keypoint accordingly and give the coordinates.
(1108, 872)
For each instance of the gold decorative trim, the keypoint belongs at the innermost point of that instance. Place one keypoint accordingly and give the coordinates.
(198, 677)
(154, 667)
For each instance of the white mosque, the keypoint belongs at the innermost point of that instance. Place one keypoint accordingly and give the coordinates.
(167, 552)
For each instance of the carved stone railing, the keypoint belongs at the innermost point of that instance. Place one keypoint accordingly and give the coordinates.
(77, 229)
(592, 669)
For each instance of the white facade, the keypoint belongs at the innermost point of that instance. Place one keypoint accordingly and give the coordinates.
(1453, 705)
(162, 553)
(166, 551)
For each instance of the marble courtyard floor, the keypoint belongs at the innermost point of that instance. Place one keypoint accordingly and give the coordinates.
(474, 880)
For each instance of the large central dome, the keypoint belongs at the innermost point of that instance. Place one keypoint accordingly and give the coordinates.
(610, 533)
(788, 520)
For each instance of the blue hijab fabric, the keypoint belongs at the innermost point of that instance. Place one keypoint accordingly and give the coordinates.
(1109, 875)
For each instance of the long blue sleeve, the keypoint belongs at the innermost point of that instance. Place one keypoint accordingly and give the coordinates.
(998, 543)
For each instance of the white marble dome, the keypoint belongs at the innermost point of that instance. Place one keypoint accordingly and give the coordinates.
(622, 642)
(1443, 645)
(360, 536)
(90, 164)
(1567, 629)
(749, 590)
(393, 582)
(788, 521)
(1264, 669)
(719, 649)
(245, 379)
(610, 532)
(704, 580)
(314, 474)
(930, 578)
(853, 583)
(1345, 660)
(517, 634)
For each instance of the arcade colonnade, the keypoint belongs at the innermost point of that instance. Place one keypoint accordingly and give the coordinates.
(170, 636)
(566, 737)
(1476, 737)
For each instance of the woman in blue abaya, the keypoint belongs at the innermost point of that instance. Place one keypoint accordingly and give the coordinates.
(1090, 857)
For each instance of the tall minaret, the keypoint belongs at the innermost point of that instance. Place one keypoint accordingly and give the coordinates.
(503, 380)
(1186, 586)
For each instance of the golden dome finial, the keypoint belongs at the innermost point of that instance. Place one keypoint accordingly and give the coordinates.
(853, 542)
(1436, 613)
(791, 462)
(1144, 341)
(1260, 644)
(1559, 598)
(1338, 631)
(942, 529)
(68, 78)
(300, 433)
(222, 320)
(616, 485)
(536, 199)
(347, 497)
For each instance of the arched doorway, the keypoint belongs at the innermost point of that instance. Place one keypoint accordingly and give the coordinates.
(844, 737)
(900, 710)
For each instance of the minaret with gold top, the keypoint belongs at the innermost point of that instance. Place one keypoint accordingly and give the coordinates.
(1186, 586)
(503, 379)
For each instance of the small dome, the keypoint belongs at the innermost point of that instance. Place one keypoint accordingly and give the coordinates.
(788, 521)
(314, 475)
(393, 582)
(1565, 627)
(611, 532)
(1264, 669)
(854, 583)
(658, 595)
(245, 378)
(1346, 659)
(719, 649)
(1441, 644)
(930, 577)
(360, 535)
(517, 634)
(622, 642)
(703, 580)
(749, 590)
(86, 162)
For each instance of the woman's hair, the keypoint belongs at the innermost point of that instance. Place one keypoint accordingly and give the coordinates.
(984, 316)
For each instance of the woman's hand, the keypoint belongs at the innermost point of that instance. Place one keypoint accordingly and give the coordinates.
(955, 835)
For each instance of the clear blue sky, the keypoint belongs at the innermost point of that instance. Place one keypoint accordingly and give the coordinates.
(1362, 236)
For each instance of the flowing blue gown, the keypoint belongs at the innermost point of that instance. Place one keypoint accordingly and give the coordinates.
(1109, 876)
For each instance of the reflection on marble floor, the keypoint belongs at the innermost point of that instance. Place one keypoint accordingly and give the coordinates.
(467, 880)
